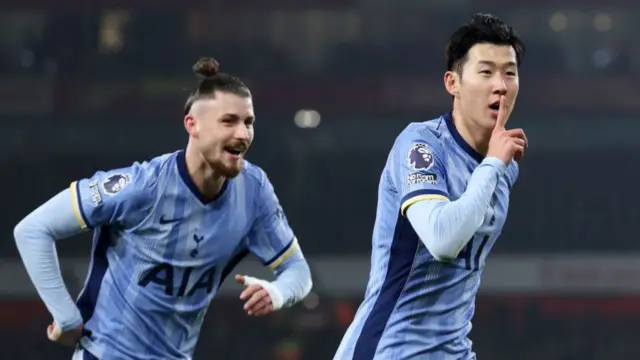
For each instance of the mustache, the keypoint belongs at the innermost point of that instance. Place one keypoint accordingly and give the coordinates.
(239, 145)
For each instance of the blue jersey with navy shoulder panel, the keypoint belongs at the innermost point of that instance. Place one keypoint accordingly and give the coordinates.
(416, 307)
(161, 251)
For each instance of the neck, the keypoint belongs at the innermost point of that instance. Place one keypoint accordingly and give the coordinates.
(476, 136)
(208, 182)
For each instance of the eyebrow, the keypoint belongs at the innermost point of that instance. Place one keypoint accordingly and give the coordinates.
(235, 117)
(492, 63)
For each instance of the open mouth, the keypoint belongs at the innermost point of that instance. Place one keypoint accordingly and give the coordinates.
(235, 151)
(495, 106)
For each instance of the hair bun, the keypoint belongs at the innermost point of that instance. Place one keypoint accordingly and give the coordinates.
(206, 67)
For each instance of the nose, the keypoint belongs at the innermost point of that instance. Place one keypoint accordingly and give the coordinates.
(499, 86)
(241, 132)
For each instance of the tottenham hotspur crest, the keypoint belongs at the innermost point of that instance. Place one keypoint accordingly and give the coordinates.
(115, 183)
(420, 157)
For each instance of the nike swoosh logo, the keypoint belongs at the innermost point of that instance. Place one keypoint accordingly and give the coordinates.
(164, 221)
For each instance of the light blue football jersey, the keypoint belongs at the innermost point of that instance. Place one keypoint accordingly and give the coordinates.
(416, 307)
(161, 251)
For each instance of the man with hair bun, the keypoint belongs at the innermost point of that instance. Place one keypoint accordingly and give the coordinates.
(166, 234)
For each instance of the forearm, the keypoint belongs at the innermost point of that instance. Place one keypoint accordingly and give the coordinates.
(293, 280)
(446, 227)
(35, 238)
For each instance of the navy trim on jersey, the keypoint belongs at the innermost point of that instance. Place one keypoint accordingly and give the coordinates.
(280, 253)
(89, 297)
(181, 163)
(401, 256)
(423, 192)
(81, 208)
(448, 118)
(235, 260)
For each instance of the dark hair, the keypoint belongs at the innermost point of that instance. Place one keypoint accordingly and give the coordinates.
(481, 29)
(213, 80)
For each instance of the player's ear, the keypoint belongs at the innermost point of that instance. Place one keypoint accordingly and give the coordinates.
(190, 125)
(452, 82)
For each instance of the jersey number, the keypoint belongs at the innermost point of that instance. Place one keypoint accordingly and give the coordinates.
(163, 275)
(471, 261)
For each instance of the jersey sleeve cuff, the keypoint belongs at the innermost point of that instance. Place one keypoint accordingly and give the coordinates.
(419, 195)
(495, 163)
(283, 254)
(70, 323)
(76, 202)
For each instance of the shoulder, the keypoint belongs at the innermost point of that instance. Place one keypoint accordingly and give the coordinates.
(254, 180)
(147, 173)
(420, 140)
(125, 194)
(137, 181)
(427, 132)
(150, 170)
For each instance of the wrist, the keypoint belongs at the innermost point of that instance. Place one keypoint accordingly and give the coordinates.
(495, 163)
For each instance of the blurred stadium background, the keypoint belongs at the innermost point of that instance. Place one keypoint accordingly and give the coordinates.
(88, 85)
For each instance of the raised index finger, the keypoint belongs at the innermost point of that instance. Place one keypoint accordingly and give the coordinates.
(503, 113)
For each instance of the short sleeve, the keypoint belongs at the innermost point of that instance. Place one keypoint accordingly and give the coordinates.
(271, 238)
(111, 197)
(417, 168)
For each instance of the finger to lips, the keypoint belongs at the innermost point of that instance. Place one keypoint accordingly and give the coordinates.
(501, 121)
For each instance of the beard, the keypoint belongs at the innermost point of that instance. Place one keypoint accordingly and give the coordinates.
(228, 169)
(223, 161)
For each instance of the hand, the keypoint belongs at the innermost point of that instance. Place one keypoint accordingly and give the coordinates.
(258, 301)
(506, 144)
(70, 337)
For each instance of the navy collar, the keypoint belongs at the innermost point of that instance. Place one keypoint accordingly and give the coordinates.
(181, 163)
(448, 118)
